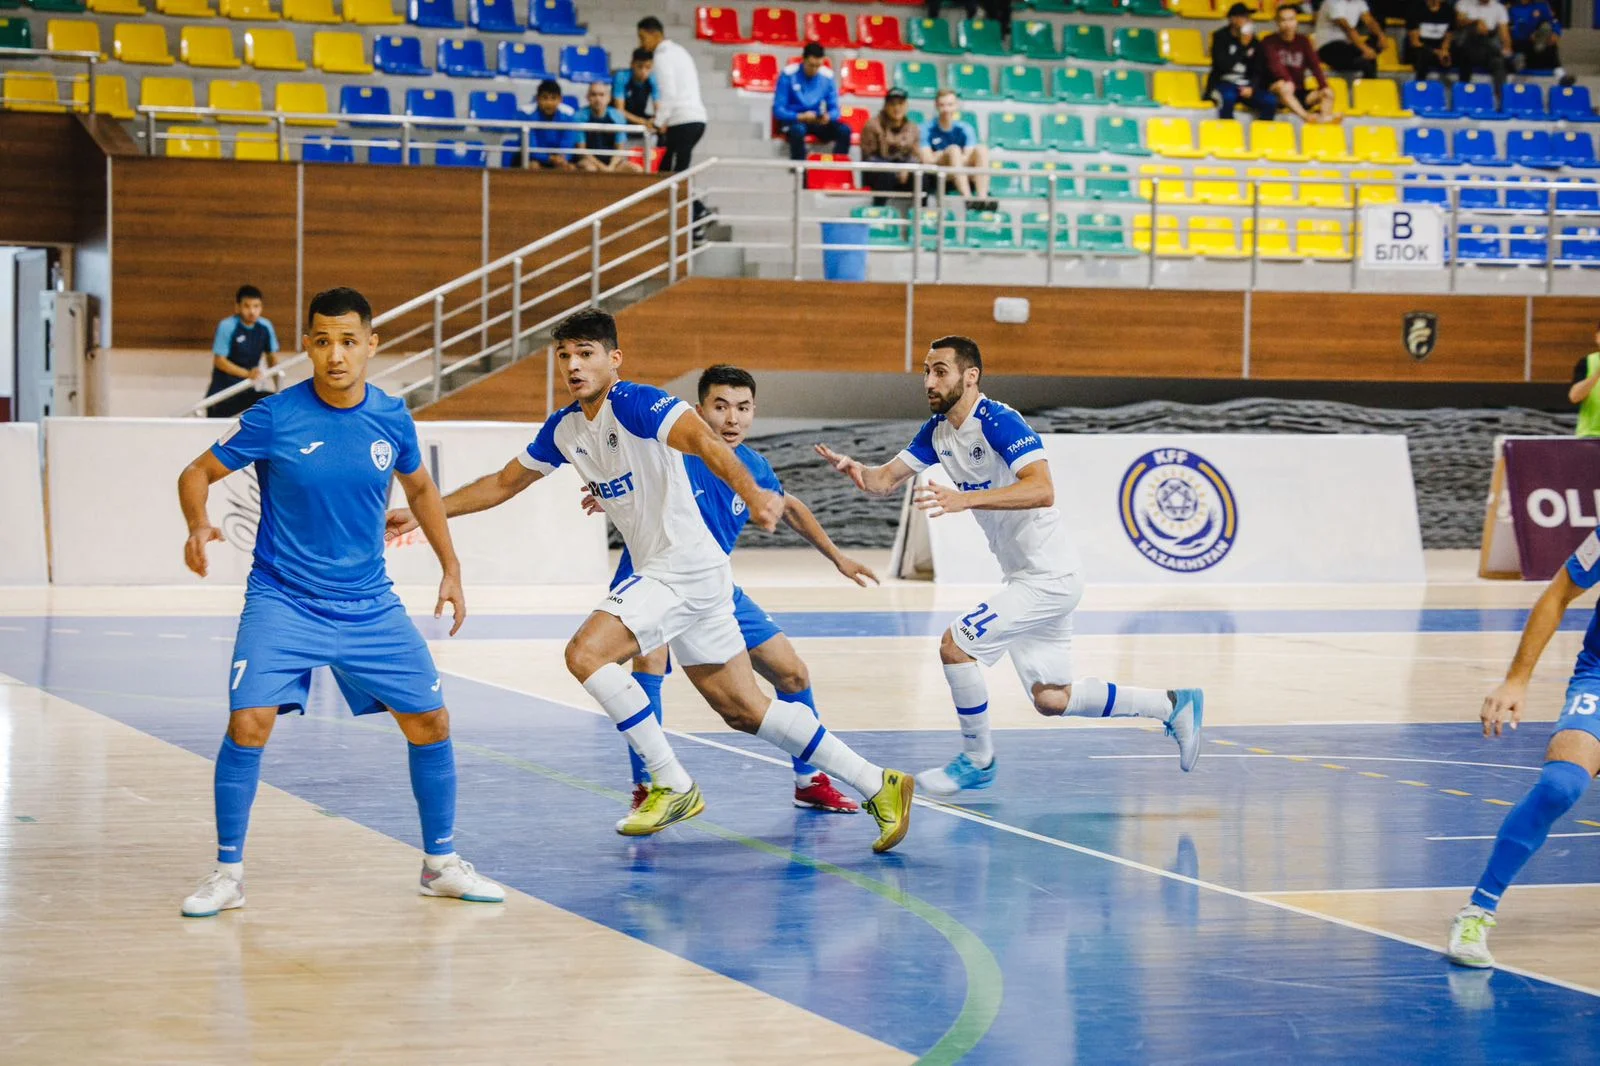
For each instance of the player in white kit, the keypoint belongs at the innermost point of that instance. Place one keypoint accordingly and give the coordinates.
(627, 441)
(1001, 474)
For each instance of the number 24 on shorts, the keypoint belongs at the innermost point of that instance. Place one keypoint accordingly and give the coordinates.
(1583, 703)
(979, 626)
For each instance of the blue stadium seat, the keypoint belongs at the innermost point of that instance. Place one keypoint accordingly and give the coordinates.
(495, 106)
(1581, 244)
(1426, 194)
(1571, 102)
(1528, 244)
(1429, 146)
(519, 60)
(1531, 148)
(1521, 100)
(460, 154)
(1476, 148)
(1478, 242)
(400, 55)
(493, 16)
(1475, 99)
(388, 154)
(1572, 149)
(325, 149)
(365, 100)
(584, 63)
(432, 103)
(1568, 200)
(1428, 99)
(434, 14)
(557, 17)
(463, 57)
(1476, 197)
(1529, 196)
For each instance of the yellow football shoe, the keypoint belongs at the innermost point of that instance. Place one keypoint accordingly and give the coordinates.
(891, 806)
(661, 808)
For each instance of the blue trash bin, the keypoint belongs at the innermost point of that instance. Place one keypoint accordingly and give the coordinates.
(844, 264)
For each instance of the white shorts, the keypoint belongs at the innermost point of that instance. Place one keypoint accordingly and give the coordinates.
(693, 615)
(1031, 618)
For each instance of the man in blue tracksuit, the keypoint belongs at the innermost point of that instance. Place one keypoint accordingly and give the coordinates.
(807, 102)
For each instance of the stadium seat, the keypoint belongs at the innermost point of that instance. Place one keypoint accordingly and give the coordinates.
(1165, 182)
(1169, 240)
(830, 180)
(463, 57)
(1476, 194)
(919, 80)
(1428, 99)
(1574, 150)
(365, 100)
(751, 71)
(1075, 85)
(1035, 39)
(1135, 44)
(1274, 142)
(303, 98)
(453, 153)
(1064, 132)
(256, 146)
(1376, 144)
(1219, 187)
(1475, 99)
(932, 36)
(1186, 48)
(1272, 186)
(880, 32)
(1571, 102)
(433, 14)
(1474, 147)
(1106, 181)
(1376, 187)
(311, 11)
(229, 95)
(1318, 188)
(1173, 138)
(1216, 237)
(776, 26)
(145, 45)
(388, 154)
(1571, 201)
(1058, 174)
(1524, 101)
(828, 29)
(1128, 88)
(1377, 98)
(492, 106)
(719, 25)
(432, 103)
(1477, 241)
(1180, 89)
(1086, 42)
(110, 96)
(1341, 93)
(1272, 239)
(400, 55)
(325, 149)
(887, 226)
(1432, 192)
(1013, 132)
(1531, 148)
(1326, 144)
(1118, 136)
(167, 92)
(971, 81)
(117, 7)
(31, 91)
(1102, 7)
(208, 46)
(371, 13)
(584, 63)
(193, 9)
(1321, 238)
(247, 10)
(342, 53)
(1580, 244)
(1036, 231)
(1428, 145)
(1150, 9)
(1101, 234)
(65, 35)
(1530, 196)
(1223, 138)
(1024, 83)
(990, 229)
(1389, 58)
(193, 142)
(555, 17)
(59, 7)
(517, 59)
(271, 50)
(863, 77)
(856, 118)
(980, 37)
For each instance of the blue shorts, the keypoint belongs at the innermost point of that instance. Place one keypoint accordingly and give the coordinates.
(755, 624)
(1582, 707)
(378, 658)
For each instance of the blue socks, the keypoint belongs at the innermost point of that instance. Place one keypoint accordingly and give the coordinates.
(433, 783)
(651, 683)
(802, 769)
(1526, 827)
(234, 782)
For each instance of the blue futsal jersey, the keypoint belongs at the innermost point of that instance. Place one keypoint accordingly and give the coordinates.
(1583, 567)
(722, 509)
(324, 474)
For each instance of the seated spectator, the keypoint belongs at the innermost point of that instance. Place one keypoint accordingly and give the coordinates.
(603, 151)
(889, 137)
(552, 145)
(1348, 38)
(1289, 59)
(1237, 74)
(999, 10)
(634, 89)
(807, 104)
(1483, 40)
(1430, 27)
(949, 142)
(1535, 31)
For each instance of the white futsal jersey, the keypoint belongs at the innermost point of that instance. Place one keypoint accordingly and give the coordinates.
(986, 453)
(622, 454)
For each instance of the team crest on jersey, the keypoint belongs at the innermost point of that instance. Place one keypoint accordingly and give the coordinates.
(382, 454)
(611, 440)
(738, 506)
(1178, 510)
(977, 453)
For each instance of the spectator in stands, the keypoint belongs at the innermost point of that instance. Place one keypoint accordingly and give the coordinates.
(241, 340)
(1238, 75)
(1430, 27)
(551, 146)
(890, 137)
(602, 151)
(807, 103)
(1289, 58)
(680, 112)
(634, 89)
(1483, 40)
(1584, 377)
(1535, 33)
(1348, 38)
(999, 10)
(949, 141)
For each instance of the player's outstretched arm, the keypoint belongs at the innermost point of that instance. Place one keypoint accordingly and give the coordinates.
(1033, 489)
(194, 488)
(488, 491)
(691, 436)
(877, 480)
(1504, 704)
(798, 517)
(423, 496)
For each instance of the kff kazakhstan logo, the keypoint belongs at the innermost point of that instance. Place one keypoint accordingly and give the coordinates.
(1178, 510)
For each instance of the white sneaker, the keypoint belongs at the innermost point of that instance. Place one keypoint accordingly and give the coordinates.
(219, 892)
(458, 880)
(1469, 938)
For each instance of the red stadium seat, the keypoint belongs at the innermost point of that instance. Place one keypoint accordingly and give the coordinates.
(831, 180)
(637, 156)
(775, 25)
(856, 118)
(757, 73)
(881, 32)
(719, 25)
(863, 77)
(828, 30)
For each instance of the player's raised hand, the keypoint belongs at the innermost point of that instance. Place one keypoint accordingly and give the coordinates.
(398, 523)
(844, 464)
(1503, 705)
(766, 510)
(590, 504)
(194, 549)
(450, 592)
(857, 572)
(937, 499)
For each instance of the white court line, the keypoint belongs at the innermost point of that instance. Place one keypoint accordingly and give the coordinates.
(1417, 888)
(1132, 864)
(1341, 758)
(1491, 836)
(173, 636)
(116, 633)
(63, 629)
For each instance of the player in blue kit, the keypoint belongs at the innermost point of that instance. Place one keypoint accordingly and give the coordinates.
(325, 452)
(728, 405)
(1570, 761)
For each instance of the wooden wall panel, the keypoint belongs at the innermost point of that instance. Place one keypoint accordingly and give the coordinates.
(39, 186)
(1563, 331)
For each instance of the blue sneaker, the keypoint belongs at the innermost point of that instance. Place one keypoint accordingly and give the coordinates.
(956, 776)
(1183, 724)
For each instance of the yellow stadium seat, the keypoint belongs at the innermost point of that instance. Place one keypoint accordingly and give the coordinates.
(315, 11)
(110, 96)
(236, 96)
(1321, 238)
(1341, 93)
(1165, 180)
(167, 92)
(1323, 188)
(1377, 98)
(1377, 144)
(1215, 237)
(1273, 188)
(1375, 194)
(116, 7)
(1268, 11)
(1168, 240)
(306, 98)
(208, 46)
(371, 13)
(1223, 138)
(1325, 144)
(193, 142)
(248, 10)
(1220, 187)
(272, 50)
(1274, 142)
(73, 35)
(146, 45)
(1180, 89)
(189, 9)
(1171, 137)
(1272, 239)
(1186, 48)
(30, 91)
(1209, 10)
(256, 146)
(1389, 57)
(340, 53)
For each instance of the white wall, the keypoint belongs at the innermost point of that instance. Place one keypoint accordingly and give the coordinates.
(159, 383)
(22, 550)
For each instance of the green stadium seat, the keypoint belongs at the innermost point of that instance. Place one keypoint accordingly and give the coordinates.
(1007, 181)
(1102, 234)
(1116, 186)
(990, 229)
(919, 80)
(1064, 133)
(1013, 132)
(1061, 174)
(15, 33)
(67, 7)
(1086, 42)
(1118, 136)
(928, 227)
(1103, 7)
(1136, 44)
(1055, 7)
(1128, 88)
(933, 36)
(1026, 84)
(971, 81)
(1150, 9)
(1075, 85)
(1036, 231)
(888, 227)
(981, 37)
(1034, 39)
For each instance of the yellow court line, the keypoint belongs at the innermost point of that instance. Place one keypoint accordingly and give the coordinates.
(1418, 784)
(1372, 773)
(1585, 821)
(1260, 751)
(1227, 743)
(1297, 758)
(1333, 766)
(1454, 792)
(1499, 803)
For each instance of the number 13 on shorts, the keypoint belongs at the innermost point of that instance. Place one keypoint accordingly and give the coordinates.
(1583, 703)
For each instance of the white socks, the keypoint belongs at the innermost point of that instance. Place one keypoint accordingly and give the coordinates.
(234, 870)
(792, 727)
(1094, 698)
(437, 862)
(614, 689)
(971, 697)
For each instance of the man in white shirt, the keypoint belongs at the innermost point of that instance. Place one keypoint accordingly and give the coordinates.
(680, 112)
(1348, 37)
(1484, 40)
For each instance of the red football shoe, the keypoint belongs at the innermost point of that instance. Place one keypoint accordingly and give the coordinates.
(820, 795)
(640, 793)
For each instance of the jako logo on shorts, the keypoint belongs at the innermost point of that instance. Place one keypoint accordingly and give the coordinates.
(1178, 510)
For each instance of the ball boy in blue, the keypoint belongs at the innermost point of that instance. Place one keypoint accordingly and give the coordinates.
(1571, 759)
(325, 452)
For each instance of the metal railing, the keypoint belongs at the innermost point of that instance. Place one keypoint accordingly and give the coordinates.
(89, 60)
